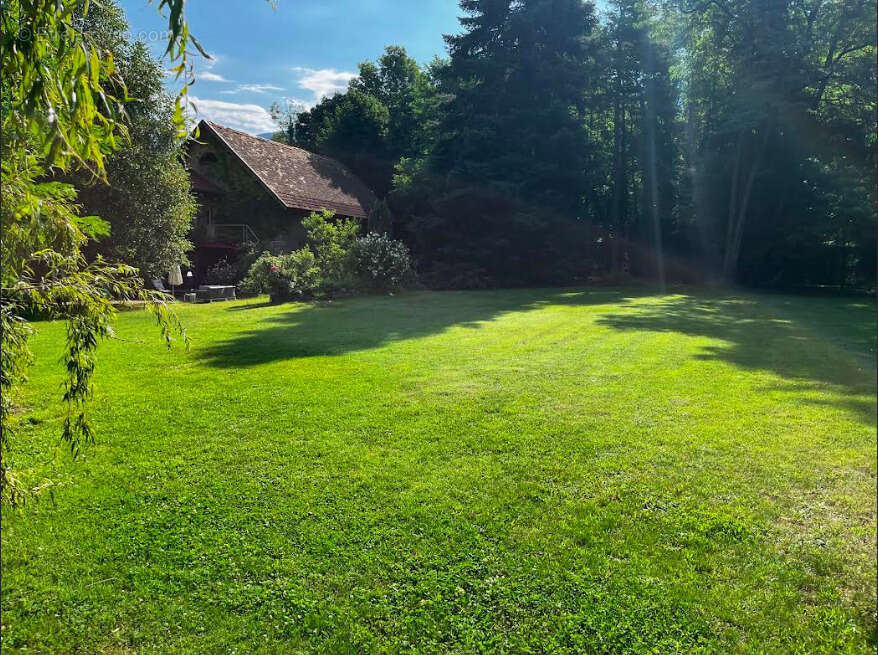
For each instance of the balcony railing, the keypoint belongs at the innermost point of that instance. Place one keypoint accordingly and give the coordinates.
(230, 233)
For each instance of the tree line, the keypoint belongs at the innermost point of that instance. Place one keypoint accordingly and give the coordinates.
(671, 140)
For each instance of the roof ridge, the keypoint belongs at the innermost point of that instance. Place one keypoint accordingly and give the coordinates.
(232, 129)
(277, 143)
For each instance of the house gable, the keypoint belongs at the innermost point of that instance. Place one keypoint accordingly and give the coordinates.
(296, 178)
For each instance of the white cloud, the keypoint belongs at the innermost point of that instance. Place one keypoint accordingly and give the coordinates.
(204, 68)
(248, 118)
(296, 104)
(212, 77)
(254, 88)
(323, 82)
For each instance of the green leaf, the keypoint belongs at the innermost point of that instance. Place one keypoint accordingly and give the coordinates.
(93, 226)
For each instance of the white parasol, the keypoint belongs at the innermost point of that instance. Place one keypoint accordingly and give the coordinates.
(175, 277)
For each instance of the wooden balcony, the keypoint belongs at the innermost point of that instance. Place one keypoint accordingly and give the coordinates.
(232, 233)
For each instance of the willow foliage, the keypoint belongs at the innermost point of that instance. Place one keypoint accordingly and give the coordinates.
(63, 108)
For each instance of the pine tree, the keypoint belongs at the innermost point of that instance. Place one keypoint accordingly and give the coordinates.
(517, 75)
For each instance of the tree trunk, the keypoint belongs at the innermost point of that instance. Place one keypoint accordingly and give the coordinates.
(620, 175)
(648, 118)
(733, 247)
(618, 181)
(733, 205)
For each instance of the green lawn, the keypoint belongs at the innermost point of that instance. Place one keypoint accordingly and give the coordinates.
(540, 470)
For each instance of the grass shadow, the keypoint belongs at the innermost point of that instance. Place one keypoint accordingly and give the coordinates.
(248, 307)
(809, 342)
(353, 324)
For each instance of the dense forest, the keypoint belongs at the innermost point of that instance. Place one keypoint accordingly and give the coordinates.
(684, 140)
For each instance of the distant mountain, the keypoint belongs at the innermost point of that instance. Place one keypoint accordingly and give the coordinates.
(266, 135)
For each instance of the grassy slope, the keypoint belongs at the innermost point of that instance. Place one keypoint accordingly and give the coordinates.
(527, 470)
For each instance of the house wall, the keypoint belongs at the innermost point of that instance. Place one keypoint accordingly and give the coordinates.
(246, 200)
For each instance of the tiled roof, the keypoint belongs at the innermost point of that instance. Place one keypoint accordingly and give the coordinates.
(297, 178)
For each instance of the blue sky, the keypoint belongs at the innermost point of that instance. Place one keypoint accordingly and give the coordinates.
(300, 49)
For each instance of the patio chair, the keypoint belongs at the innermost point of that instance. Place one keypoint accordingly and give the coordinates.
(159, 285)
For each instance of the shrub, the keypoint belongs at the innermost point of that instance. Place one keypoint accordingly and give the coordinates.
(342, 263)
(284, 277)
(222, 273)
(257, 278)
(332, 241)
(381, 262)
(246, 256)
(300, 268)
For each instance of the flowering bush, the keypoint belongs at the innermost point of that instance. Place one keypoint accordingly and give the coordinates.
(284, 277)
(381, 262)
(278, 284)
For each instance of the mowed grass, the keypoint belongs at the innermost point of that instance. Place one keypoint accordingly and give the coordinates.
(523, 471)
